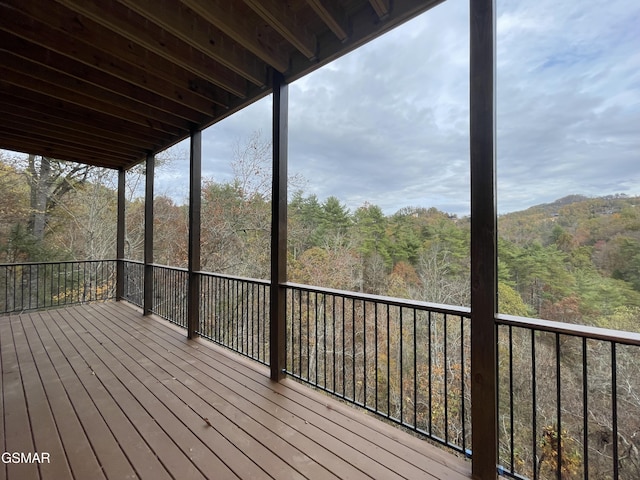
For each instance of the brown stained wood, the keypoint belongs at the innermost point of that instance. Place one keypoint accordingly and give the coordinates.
(381, 8)
(195, 221)
(51, 151)
(112, 459)
(174, 436)
(317, 417)
(174, 17)
(64, 70)
(121, 233)
(141, 406)
(44, 26)
(150, 163)
(333, 16)
(116, 112)
(223, 15)
(207, 447)
(204, 418)
(310, 409)
(224, 410)
(53, 113)
(142, 458)
(14, 132)
(306, 426)
(63, 132)
(484, 240)
(79, 453)
(46, 436)
(279, 143)
(137, 29)
(17, 427)
(3, 468)
(284, 21)
(164, 387)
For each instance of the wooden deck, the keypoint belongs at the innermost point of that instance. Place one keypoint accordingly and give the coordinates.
(108, 393)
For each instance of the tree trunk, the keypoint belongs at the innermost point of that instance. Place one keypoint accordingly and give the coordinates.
(40, 181)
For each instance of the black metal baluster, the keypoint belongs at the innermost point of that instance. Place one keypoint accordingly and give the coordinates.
(446, 382)
(558, 407)
(462, 389)
(614, 409)
(511, 431)
(375, 319)
(415, 369)
(585, 414)
(324, 325)
(364, 350)
(401, 369)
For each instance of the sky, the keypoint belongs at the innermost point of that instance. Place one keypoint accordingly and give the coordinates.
(388, 124)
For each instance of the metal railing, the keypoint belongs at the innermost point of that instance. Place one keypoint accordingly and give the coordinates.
(569, 400)
(170, 294)
(404, 360)
(32, 286)
(234, 312)
(133, 290)
(568, 395)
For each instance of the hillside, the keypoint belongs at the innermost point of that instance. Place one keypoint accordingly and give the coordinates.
(585, 253)
(576, 259)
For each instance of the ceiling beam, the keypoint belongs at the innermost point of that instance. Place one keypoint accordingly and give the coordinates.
(50, 115)
(47, 104)
(87, 100)
(175, 18)
(29, 142)
(223, 15)
(55, 29)
(283, 21)
(333, 16)
(381, 8)
(362, 30)
(122, 21)
(81, 78)
(66, 133)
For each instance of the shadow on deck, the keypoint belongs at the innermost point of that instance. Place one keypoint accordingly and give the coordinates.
(108, 393)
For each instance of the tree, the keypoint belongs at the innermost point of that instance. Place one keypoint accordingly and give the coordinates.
(49, 180)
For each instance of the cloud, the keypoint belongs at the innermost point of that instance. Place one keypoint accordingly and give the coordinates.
(568, 100)
(388, 124)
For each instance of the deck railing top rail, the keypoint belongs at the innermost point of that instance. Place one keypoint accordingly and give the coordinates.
(257, 281)
(57, 262)
(582, 331)
(398, 302)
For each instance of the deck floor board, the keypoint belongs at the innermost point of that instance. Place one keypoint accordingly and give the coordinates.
(112, 394)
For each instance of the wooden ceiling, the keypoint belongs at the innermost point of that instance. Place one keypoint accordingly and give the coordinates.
(107, 82)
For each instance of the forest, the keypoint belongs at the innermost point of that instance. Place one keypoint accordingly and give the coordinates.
(575, 260)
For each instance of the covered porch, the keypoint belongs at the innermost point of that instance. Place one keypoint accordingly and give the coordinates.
(110, 391)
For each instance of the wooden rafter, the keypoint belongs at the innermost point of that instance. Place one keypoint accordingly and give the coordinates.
(137, 29)
(175, 18)
(333, 16)
(110, 82)
(381, 8)
(280, 17)
(223, 15)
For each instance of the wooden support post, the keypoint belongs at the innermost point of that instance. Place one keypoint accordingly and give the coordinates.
(484, 283)
(148, 237)
(279, 226)
(195, 202)
(120, 235)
